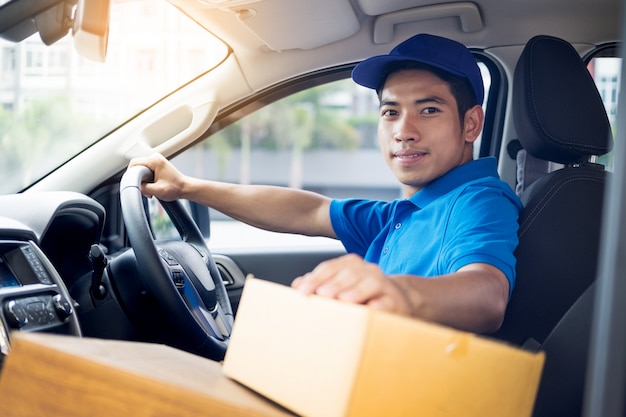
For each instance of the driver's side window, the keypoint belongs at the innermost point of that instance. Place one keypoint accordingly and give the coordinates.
(321, 139)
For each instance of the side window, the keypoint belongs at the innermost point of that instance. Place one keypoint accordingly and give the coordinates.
(322, 138)
(605, 67)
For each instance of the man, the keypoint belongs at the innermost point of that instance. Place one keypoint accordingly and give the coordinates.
(445, 252)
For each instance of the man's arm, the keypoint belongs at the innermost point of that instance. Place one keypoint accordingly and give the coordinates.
(278, 209)
(472, 299)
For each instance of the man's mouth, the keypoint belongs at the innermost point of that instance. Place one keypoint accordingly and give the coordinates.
(408, 155)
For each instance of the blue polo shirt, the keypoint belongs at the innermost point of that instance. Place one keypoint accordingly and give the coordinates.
(466, 216)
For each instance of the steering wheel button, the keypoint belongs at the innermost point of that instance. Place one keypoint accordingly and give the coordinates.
(168, 258)
(178, 278)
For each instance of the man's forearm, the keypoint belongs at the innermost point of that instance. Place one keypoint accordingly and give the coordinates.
(472, 299)
(278, 209)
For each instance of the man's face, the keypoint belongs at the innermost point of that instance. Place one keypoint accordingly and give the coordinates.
(419, 131)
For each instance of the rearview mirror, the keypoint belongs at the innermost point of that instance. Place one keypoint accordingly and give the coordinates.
(88, 20)
(91, 28)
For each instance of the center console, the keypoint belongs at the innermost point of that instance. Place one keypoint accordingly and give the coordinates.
(33, 297)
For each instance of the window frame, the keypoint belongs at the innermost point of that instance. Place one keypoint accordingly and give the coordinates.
(495, 101)
(606, 50)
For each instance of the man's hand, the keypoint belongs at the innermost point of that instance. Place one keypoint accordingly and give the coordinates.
(349, 278)
(473, 299)
(168, 181)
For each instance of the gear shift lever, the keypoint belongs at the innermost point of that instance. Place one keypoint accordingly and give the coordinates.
(98, 262)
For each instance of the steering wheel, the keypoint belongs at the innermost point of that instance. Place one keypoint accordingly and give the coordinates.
(182, 275)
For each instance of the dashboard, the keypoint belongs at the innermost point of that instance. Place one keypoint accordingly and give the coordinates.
(67, 267)
(33, 295)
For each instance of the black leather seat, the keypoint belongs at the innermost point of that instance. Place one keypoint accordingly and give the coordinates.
(559, 117)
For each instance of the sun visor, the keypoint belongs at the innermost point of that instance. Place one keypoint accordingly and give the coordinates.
(306, 21)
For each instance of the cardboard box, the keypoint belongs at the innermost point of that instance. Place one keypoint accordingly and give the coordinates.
(63, 376)
(324, 358)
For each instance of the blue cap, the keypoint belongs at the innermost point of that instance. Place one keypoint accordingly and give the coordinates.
(445, 54)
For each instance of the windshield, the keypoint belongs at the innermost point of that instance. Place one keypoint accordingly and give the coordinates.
(55, 103)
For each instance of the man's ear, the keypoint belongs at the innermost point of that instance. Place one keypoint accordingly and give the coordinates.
(473, 123)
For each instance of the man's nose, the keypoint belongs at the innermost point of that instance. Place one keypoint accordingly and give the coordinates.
(406, 130)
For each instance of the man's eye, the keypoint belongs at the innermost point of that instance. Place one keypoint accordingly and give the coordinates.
(388, 112)
(430, 110)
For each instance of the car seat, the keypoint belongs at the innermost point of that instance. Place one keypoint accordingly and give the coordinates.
(560, 118)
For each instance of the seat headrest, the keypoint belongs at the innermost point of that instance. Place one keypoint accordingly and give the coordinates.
(557, 109)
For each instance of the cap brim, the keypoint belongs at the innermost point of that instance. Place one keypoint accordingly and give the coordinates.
(370, 73)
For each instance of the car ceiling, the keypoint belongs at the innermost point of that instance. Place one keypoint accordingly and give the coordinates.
(350, 30)
(266, 34)
(486, 23)
(326, 33)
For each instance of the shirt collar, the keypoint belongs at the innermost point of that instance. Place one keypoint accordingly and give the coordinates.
(470, 171)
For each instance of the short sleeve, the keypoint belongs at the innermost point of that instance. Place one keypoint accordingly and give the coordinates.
(483, 228)
(357, 222)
